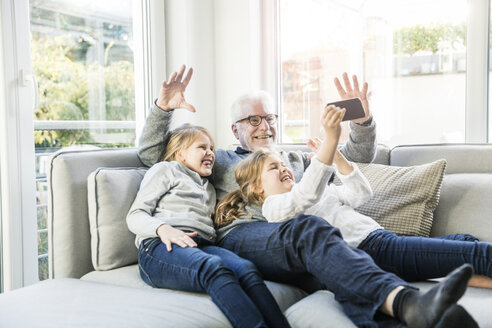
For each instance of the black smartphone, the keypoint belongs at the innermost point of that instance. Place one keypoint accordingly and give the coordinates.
(353, 106)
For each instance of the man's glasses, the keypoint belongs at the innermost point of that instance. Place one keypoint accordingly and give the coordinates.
(255, 120)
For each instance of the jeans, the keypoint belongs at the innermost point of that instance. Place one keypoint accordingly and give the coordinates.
(234, 284)
(308, 245)
(420, 258)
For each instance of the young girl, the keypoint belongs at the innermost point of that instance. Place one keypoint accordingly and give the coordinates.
(412, 258)
(172, 219)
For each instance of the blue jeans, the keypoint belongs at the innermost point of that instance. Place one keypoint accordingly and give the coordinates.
(234, 284)
(420, 258)
(308, 245)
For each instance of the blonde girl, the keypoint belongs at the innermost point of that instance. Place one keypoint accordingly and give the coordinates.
(172, 218)
(265, 182)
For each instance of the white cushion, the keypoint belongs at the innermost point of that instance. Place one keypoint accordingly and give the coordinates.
(111, 192)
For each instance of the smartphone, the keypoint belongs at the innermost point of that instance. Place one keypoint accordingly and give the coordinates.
(353, 106)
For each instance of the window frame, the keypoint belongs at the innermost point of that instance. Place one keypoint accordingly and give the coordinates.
(17, 152)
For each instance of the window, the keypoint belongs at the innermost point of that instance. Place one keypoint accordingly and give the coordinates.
(411, 52)
(82, 58)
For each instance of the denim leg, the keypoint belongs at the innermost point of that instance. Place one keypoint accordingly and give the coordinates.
(191, 269)
(420, 258)
(308, 244)
(253, 284)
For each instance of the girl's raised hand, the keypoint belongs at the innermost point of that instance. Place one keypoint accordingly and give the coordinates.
(170, 235)
(171, 95)
(331, 117)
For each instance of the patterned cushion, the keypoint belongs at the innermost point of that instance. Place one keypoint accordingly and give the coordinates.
(404, 197)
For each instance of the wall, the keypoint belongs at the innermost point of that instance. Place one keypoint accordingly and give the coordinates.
(216, 38)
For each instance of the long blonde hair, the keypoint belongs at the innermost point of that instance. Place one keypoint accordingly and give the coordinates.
(248, 175)
(183, 137)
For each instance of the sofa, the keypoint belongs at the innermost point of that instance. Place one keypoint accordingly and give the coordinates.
(94, 276)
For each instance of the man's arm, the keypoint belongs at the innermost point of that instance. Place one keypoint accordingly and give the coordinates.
(154, 135)
(361, 146)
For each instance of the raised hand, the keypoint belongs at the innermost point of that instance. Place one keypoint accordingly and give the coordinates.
(171, 95)
(331, 117)
(352, 92)
(170, 236)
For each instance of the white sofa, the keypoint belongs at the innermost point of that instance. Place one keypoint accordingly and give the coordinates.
(102, 288)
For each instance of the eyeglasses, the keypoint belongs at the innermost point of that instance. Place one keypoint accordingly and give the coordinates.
(255, 120)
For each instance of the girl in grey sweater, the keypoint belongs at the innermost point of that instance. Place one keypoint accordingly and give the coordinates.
(172, 220)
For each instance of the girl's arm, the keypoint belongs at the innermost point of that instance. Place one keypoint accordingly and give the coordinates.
(303, 195)
(155, 184)
(355, 189)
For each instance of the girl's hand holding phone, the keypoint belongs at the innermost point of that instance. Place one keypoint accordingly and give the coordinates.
(331, 117)
(170, 235)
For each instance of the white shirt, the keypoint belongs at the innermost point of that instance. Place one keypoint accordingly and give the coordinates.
(313, 196)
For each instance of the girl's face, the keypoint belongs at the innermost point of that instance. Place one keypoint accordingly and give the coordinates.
(199, 157)
(276, 178)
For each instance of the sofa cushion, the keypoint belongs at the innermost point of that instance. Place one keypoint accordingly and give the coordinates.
(465, 206)
(404, 197)
(111, 192)
(69, 302)
(129, 276)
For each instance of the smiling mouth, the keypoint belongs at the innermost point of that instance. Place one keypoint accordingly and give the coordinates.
(286, 178)
(263, 137)
(207, 162)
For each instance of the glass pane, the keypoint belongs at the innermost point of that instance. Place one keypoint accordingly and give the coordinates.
(411, 52)
(82, 58)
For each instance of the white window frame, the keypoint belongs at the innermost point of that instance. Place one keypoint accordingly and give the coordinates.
(17, 96)
(477, 71)
(17, 150)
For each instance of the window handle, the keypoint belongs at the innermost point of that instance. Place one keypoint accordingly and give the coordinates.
(25, 79)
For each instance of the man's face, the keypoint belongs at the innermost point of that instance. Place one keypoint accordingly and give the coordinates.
(254, 137)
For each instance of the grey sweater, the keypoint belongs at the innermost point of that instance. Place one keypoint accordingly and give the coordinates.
(361, 147)
(170, 193)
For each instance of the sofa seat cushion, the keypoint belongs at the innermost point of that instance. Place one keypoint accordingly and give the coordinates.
(322, 310)
(285, 295)
(476, 301)
(68, 302)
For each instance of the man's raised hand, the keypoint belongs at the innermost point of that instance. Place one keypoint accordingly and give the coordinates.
(352, 92)
(171, 95)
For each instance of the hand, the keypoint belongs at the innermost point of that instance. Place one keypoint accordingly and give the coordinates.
(314, 145)
(171, 95)
(170, 235)
(354, 92)
(331, 117)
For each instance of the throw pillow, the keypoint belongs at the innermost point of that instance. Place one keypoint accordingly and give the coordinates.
(111, 192)
(404, 197)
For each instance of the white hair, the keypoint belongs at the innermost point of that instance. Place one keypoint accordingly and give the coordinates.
(252, 97)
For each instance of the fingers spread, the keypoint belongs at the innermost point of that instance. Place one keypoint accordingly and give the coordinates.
(180, 74)
(346, 81)
(189, 107)
(356, 83)
(339, 87)
(188, 77)
(172, 77)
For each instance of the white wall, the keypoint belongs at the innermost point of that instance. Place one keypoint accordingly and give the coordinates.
(217, 39)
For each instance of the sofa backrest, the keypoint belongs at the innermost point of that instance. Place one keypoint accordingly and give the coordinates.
(68, 220)
(464, 205)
